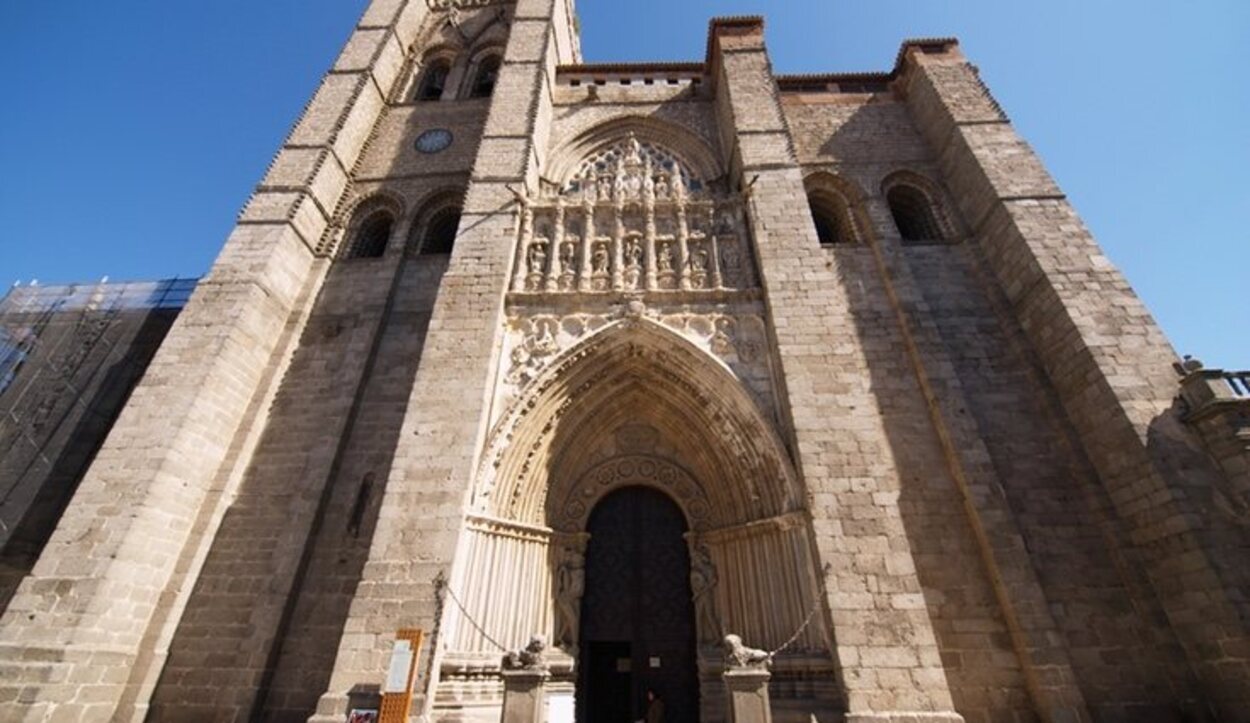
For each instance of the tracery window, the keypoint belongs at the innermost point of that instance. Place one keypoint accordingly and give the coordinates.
(486, 77)
(434, 81)
(914, 214)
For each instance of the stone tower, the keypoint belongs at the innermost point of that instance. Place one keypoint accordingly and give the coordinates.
(632, 357)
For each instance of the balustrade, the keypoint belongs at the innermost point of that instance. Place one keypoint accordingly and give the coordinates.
(1204, 390)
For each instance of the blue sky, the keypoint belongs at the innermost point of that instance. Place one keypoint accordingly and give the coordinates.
(132, 132)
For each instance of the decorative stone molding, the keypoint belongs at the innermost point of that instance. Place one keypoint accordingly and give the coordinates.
(464, 4)
(734, 333)
(621, 359)
(633, 216)
(572, 513)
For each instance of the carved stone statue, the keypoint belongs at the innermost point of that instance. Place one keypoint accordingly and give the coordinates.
(633, 150)
(738, 655)
(531, 657)
(618, 185)
(664, 259)
(568, 255)
(679, 183)
(537, 258)
(633, 254)
(698, 259)
(570, 586)
(703, 581)
(542, 340)
(662, 188)
(633, 184)
(599, 259)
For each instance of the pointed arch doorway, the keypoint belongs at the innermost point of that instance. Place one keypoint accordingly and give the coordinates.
(637, 620)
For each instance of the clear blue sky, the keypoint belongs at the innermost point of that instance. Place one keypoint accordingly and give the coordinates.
(131, 132)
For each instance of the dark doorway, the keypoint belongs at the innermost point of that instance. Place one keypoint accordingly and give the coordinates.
(637, 621)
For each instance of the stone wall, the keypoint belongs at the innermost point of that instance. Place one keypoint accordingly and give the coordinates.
(1002, 511)
(79, 351)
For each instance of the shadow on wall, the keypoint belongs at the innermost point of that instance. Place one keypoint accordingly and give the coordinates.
(91, 416)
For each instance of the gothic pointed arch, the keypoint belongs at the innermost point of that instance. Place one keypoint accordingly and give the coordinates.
(636, 390)
(637, 405)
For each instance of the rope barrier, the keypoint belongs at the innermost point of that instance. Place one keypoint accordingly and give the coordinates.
(444, 584)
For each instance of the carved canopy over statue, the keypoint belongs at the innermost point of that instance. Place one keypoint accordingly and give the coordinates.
(633, 217)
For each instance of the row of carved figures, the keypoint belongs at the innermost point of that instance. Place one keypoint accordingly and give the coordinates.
(631, 172)
(692, 252)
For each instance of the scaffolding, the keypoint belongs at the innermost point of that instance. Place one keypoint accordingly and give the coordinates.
(102, 296)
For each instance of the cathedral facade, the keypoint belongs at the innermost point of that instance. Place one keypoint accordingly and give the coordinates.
(634, 357)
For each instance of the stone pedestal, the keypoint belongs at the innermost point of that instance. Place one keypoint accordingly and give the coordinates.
(523, 695)
(747, 690)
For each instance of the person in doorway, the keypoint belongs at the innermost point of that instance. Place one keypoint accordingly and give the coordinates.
(655, 708)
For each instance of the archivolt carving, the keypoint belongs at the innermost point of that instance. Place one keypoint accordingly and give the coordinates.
(573, 502)
(736, 335)
(630, 372)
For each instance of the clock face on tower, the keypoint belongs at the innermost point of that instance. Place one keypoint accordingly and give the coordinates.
(434, 140)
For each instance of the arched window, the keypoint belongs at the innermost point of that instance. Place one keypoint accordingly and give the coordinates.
(487, 75)
(435, 80)
(440, 232)
(833, 218)
(371, 237)
(913, 215)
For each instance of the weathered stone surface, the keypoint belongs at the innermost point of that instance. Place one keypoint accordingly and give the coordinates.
(937, 468)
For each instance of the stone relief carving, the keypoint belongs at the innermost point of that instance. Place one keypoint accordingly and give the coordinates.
(531, 657)
(633, 217)
(703, 582)
(576, 502)
(538, 344)
(570, 586)
(737, 338)
(738, 655)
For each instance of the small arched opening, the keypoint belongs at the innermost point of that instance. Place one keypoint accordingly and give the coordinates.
(434, 80)
(434, 232)
(832, 216)
(371, 236)
(914, 214)
(485, 76)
